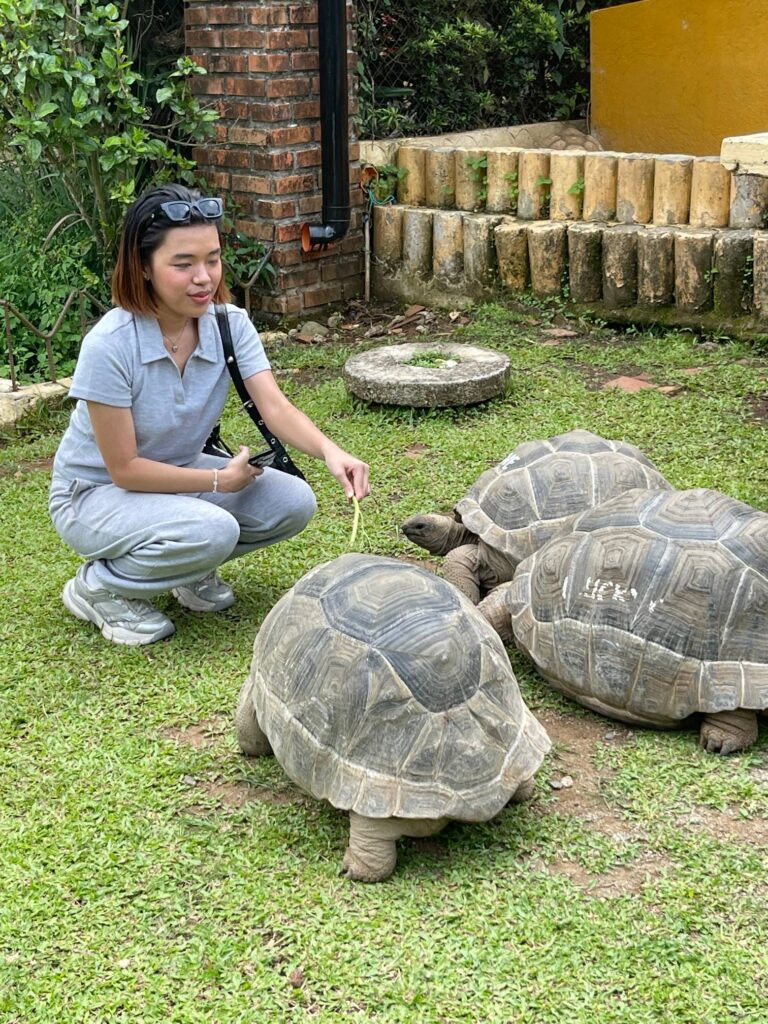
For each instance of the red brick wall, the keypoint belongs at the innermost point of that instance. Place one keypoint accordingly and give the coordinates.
(262, 61)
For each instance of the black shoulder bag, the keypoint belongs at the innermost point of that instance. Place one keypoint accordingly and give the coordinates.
(275, 456)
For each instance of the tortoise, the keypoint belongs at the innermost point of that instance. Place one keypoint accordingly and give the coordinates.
(524, 501)
(653, 609)
(380, 688)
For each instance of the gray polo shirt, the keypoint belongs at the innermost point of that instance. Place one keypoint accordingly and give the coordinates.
(123, 362)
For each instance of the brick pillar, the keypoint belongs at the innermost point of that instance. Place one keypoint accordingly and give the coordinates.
(262, 61)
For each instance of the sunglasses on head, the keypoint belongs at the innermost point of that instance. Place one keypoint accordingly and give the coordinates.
(180, 212)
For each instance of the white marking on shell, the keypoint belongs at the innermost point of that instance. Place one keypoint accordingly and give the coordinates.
(565, 586)
(600, 590)
(510, 460)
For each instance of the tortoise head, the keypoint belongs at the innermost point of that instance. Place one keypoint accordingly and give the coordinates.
(438, 534)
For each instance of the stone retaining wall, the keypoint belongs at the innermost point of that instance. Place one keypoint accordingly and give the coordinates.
(703, 276)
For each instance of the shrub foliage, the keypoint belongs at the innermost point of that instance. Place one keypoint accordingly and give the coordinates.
(431, 66)
(74, 102)
(95, 104)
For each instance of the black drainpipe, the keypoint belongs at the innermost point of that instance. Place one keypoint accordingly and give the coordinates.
(334, 125)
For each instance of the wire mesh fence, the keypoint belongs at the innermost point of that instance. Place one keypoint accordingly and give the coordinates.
(432, 66)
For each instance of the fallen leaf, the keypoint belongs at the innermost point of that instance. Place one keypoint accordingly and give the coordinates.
(629, 384)
(670, 389)
(560, 332)
(412, 310)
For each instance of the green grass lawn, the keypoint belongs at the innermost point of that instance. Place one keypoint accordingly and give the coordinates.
(150, 873)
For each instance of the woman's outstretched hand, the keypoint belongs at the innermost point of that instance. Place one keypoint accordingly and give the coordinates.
(351, 473)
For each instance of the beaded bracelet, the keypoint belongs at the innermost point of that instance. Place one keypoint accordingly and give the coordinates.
(215, 481)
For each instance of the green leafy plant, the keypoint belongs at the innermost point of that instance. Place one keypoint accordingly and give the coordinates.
(45, 255)
(248, 261)
(513, 187)
(384, 186)
(479, 167)
(75, 104)
(577, 188)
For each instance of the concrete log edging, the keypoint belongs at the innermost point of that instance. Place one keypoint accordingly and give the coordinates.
(580, 184)
(585, 262)
(620, 266)
(469, 374)
(717, 277)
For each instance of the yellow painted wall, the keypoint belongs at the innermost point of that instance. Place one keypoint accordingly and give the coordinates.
(677, 76)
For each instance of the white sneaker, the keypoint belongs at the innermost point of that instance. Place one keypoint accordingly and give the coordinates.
(210, 594)
(122, 620)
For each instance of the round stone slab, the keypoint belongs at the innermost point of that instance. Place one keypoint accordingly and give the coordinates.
(428, 374)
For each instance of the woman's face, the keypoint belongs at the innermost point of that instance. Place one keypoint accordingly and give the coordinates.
(185, 271)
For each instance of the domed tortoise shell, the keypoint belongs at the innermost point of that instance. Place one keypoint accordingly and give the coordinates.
(653, 608)
(534, 492)
(382, 689)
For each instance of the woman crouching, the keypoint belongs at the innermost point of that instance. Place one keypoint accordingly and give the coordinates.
(132, 492)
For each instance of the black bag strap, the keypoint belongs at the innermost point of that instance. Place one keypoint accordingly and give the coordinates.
(216, 445)
(283, 460)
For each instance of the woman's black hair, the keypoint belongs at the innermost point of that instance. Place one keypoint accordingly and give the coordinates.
(144, 231)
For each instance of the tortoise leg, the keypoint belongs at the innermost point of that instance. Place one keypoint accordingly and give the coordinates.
(371, 855)
(461, 569)
(523, 792)
(728, 731)
(250, 738)
(494, 608)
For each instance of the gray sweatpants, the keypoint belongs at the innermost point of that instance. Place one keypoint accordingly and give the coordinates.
(144, 544)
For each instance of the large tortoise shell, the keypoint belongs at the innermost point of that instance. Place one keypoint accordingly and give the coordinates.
(383, 690)
(534, 492)
(654, 607)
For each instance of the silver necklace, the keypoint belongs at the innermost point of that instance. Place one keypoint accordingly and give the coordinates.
(174, 344)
